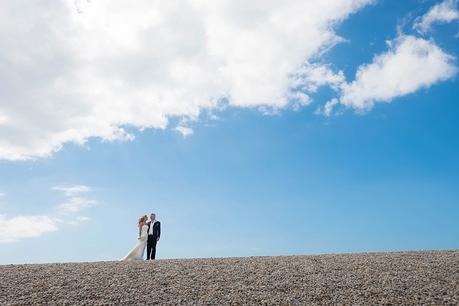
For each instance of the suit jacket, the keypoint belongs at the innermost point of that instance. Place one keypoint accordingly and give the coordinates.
(156, 229)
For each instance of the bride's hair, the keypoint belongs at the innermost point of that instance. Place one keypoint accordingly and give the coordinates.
(142, 219)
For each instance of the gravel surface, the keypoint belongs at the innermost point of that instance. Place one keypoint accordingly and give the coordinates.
(369, 278)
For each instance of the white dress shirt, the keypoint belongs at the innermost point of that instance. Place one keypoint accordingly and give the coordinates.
(150, 230)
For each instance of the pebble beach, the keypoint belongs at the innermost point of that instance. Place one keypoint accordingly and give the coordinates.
(430, 277)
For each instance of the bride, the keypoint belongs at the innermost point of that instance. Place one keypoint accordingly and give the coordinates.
(137, 252)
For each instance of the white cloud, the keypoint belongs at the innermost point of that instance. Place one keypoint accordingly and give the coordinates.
(440, 13)
(82, 218)
(310, 77)
(75, 70)
(79, 219)
(185, 131)
(76, 204)
(327, 109)
(2, 194)
(72, 190)
(410, 64)
(21, 227)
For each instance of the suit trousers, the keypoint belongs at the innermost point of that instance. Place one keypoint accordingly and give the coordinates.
(151, 247)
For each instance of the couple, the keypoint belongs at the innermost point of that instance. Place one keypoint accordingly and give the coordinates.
(149, 233)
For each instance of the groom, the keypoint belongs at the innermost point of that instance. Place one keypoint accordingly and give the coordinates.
(154, 231)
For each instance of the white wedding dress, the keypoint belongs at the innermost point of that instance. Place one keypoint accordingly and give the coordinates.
(137, 252)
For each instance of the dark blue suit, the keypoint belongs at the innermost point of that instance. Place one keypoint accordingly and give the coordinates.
(152, 239)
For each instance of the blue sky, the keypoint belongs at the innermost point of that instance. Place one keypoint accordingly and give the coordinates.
(376, 173)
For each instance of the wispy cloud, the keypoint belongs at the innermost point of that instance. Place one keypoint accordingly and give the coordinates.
(76, 204)
(184, 130)
(79, 219)
(25, 226)
(21, 227)
(327, 109)
(75, 201)
(440, 13)
(73, 190)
